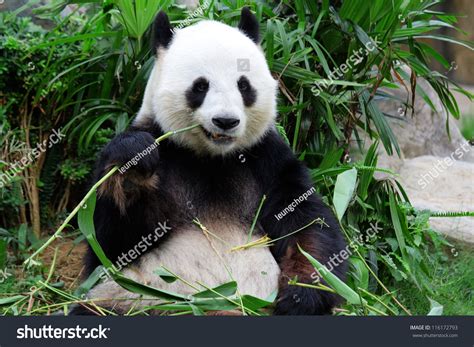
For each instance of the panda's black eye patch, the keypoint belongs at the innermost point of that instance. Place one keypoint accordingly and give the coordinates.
(243, 84)
(249, 94)
(196, 94)
(201, 85)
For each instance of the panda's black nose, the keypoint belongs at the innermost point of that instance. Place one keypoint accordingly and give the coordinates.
(225, 123)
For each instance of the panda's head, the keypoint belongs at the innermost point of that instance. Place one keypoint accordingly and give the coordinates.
(213, 75)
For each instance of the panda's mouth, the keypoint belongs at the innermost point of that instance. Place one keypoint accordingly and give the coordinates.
(218, 138)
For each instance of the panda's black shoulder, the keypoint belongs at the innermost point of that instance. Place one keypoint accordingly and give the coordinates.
(272, 150)
(274, 160)
(149, 126)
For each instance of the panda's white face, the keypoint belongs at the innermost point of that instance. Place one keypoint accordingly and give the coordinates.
(213, 75)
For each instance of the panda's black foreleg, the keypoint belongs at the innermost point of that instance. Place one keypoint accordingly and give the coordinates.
(323, 240)
(121, 217)
(297, 300)
(80, 310)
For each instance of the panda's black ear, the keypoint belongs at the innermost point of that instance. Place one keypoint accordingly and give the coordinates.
(162, 31)
(249, 25)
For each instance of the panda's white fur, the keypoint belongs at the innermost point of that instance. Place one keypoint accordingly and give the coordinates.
(221, 54)
(212, 50)
(199, 260)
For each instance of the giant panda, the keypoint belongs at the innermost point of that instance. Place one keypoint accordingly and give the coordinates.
(216, 76)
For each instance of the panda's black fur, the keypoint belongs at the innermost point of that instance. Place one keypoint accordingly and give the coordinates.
(221, 181)
(225, 187)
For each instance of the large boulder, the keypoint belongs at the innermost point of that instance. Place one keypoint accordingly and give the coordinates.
(436, 184)
(425, 132)
(436, 170)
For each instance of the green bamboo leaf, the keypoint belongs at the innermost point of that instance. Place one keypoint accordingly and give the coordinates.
(87, 285)
(322, 59)
(436, 309)
(331, 158)
(205, 304)
(22, 236)
(282, 132)
(300, 11)
(145, 290)
(360, 273)
(215, 304)
(171, 307)
(371, 111)
(343, 191)
(87, 136)
(284, 39)
(318, 175)
(397, 224)
(11, 299)
(85, 219)
(367, 175)
(165, 275)
(269, 43)
(196, 310)
(253, 303)
(331, 122)
(227, 289)
(339, 286)
(325, 6)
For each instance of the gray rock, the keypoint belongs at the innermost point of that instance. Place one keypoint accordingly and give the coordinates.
(190, 4)
(437, 171)
(432, 184)
(425, 133)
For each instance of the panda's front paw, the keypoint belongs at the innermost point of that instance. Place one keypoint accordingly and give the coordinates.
(295, 300)
(136, 154)
(134, 150)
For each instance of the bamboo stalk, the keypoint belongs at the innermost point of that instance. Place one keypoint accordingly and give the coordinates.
(266, 241)
(112, 171)
(252, 227)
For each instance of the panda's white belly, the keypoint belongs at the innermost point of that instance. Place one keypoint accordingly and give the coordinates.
(198, 259)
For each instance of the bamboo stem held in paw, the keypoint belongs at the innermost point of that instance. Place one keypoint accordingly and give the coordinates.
(30, 260)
